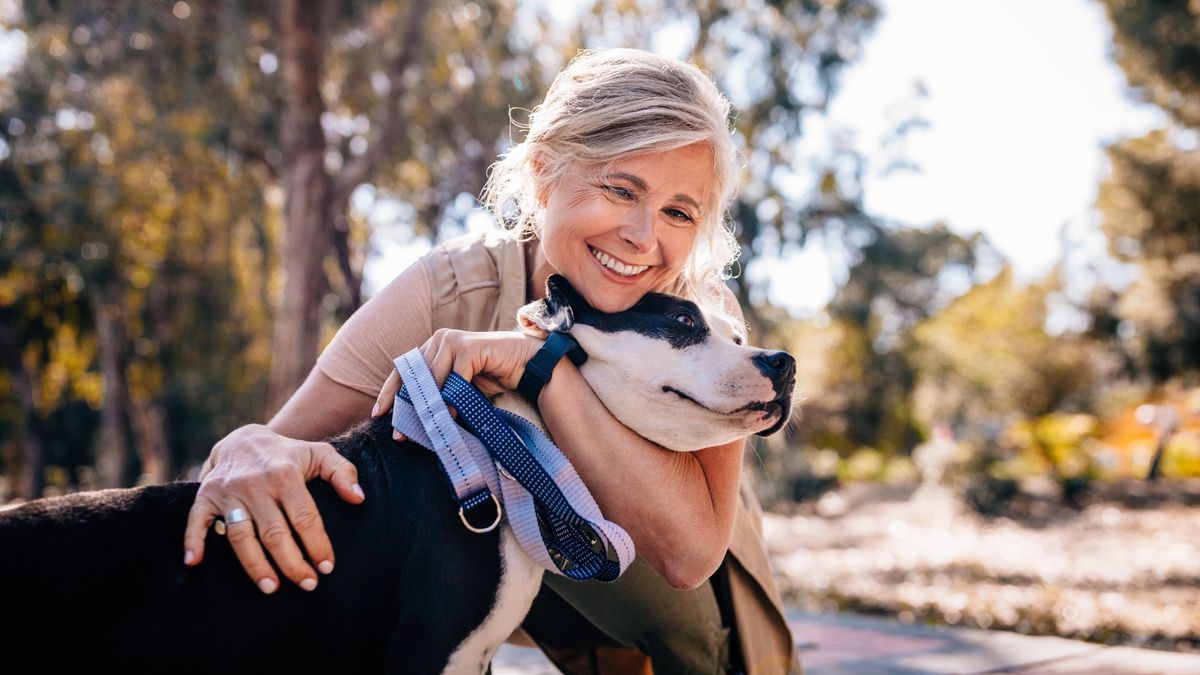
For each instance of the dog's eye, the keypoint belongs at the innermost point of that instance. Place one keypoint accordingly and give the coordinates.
(686, 319)
(737, 340)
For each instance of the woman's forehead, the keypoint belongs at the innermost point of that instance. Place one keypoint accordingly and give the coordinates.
(687, 171)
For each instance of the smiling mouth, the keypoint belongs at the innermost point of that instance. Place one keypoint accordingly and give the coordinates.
(616, 266)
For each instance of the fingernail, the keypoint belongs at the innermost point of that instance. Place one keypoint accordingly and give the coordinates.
(396, 435)
(375, 410)
(188, 557)
(308, 584)
(267, 586)
(325, 567)
(358, 491)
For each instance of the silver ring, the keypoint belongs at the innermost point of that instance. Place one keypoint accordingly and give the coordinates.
(236, 516)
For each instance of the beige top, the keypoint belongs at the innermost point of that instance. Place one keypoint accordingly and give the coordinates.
(477, 283)
(473, 283)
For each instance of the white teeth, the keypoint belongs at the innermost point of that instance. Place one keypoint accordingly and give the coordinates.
(616, 265)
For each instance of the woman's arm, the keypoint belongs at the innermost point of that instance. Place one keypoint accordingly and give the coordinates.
(321, 408)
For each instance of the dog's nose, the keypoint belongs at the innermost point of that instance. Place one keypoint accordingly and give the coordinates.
(779, 366)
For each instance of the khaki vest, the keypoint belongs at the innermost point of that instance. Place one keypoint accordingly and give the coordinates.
(477, 283)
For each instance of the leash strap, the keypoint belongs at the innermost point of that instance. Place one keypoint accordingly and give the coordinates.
(551, 512)
(436, 430)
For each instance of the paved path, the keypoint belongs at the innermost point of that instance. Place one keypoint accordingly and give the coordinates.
(832, 644)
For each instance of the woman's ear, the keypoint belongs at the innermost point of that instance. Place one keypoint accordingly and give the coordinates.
(541, 179)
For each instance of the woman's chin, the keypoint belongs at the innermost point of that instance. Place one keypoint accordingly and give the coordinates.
(612, 298)
(611, 304)
(609, 298)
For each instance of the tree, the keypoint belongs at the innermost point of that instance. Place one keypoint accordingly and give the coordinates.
(987, 359)
(1151, 201)
(859, 391)
(1157, 45)
(1151, 216)
(124, 191)
(315, 202)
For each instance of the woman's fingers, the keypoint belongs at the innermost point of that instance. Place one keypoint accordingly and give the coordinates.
(306, 520)
(488, 386)
(302, 515)
(248, 551)
(383, 402)
(387, 394)
(495, 360)
(338, 470)
(205, 467)
(275, 532)
(200, 517)
(440, 354)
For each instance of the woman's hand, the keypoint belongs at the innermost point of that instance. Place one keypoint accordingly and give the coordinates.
(258, 470)
(492, 361)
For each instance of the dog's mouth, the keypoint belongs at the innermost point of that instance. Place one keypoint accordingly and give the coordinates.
(784, 406)
(776, 407)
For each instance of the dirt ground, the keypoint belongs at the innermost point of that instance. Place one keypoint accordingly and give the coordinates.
(1123, 567)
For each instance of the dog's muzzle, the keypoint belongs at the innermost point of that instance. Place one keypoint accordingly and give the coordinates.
(780, 368)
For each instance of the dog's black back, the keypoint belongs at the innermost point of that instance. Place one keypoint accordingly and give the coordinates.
(97, 579)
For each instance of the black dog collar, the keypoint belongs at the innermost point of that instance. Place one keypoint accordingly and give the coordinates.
(541, 366)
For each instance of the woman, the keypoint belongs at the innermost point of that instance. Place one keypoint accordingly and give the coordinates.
(621, 186)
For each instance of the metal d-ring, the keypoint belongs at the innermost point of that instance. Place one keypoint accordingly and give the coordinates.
(499, 514)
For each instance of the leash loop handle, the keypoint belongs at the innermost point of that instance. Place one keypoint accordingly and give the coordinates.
(551, 513)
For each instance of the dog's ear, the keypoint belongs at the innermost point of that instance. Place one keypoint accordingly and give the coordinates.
(556, 312)
(561, 293)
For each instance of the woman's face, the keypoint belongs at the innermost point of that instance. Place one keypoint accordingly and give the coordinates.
(619, 236)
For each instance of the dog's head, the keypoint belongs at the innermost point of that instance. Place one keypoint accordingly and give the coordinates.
(675, 374)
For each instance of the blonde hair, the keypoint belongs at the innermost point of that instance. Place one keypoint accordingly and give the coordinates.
(611, 103)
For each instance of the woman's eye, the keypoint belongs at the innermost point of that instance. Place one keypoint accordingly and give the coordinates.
(679, 215)
(686, 319)
(623, 193)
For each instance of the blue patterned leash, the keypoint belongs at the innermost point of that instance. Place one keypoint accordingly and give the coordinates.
(550, 511)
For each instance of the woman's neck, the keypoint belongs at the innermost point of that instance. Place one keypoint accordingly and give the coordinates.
(537, 270)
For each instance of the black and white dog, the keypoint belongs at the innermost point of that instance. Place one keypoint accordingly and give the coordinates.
(95, 579)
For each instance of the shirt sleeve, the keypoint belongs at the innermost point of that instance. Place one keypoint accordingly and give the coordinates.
(391, 323)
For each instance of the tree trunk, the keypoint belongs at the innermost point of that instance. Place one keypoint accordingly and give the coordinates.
(307, 190)
(314, 202)
(113, 452)
(149, 418)
(30, 475)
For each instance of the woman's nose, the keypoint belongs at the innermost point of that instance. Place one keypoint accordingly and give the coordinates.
(638, 230)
